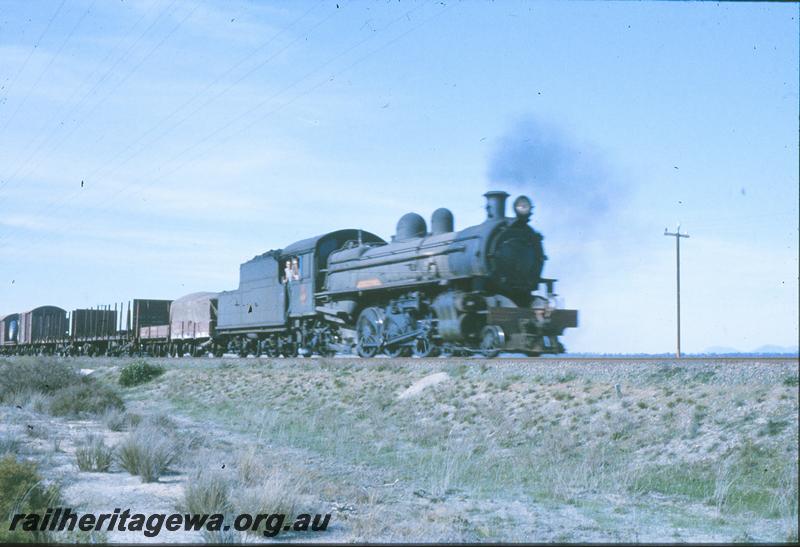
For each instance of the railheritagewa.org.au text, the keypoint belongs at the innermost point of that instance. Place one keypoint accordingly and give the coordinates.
(60, 519)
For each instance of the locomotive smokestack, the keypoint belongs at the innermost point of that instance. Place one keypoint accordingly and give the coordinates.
(495, 204)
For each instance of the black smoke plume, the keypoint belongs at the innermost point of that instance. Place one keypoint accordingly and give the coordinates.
(570, 180)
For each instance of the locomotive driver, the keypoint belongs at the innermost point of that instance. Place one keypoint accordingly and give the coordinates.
(287, 271)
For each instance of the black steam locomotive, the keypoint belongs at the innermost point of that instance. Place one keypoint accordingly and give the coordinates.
(474, 291)
(468, 291)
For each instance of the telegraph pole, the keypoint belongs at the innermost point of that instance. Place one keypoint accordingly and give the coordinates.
(678, 235)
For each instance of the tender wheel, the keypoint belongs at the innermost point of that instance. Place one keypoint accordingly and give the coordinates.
(289, 350)
(265, 349)
(370, 332)
(492, 340)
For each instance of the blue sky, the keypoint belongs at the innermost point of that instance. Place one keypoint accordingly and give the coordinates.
(208, 132)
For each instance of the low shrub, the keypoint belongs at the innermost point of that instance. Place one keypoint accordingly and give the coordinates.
(791, 381)
(147, 452)
(49, 385)
(28, 376)
(93, 455)
(261, 485)
(139, 372)
(87, 397)
(22, 490)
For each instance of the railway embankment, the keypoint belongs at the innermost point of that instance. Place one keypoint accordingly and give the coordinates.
(422, 450)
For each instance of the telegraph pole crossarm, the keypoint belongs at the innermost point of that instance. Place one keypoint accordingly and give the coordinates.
(677, 235)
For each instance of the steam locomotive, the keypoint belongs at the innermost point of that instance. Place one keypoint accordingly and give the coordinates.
(474, 291)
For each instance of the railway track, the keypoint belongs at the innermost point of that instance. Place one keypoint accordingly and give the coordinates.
(672, 359)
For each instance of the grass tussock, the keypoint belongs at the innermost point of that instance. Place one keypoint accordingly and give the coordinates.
(250, 486)
(147, 452)
(9, 444)
(117, 419)
(139, 372)
(208, 492)
(92, 454)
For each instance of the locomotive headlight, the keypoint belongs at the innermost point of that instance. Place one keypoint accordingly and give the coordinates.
(523, 207)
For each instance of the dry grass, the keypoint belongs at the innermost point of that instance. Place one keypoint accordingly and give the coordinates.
(92, 454)
(148, 452)
(116, 419)
(250, 486)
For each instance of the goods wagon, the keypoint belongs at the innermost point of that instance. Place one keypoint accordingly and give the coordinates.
(42, 328)
(93, 324)
(9, 328)
(192, 323)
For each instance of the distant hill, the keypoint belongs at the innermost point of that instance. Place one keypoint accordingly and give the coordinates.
(715, 351)
(769, 349)
(776, 349)
(721, 350)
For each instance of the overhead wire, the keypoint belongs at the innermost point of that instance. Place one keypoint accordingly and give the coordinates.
(30, 53)
(47, 136)
(214, 97)
(129, 188)
(208, 101)
(47, 67)
(249, 113)
(107, 73)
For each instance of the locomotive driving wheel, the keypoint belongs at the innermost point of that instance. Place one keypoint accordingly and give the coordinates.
(424, 347)
(370, 331)
(492, 340)
(393, 328)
